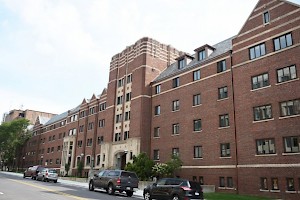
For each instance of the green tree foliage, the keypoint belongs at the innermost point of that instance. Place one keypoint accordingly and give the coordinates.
(167, 169)
(79, 168)
(67, 168)
(13, 135)
(142, 165)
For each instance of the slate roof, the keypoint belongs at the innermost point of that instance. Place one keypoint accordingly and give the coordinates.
(220, 48)
(62, 116)
(43, 120)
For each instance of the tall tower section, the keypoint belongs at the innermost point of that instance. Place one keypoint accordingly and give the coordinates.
(129, 98)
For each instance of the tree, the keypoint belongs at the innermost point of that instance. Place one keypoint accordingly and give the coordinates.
(142, 165)
(167, 169)
(13, 135)
(79, 168)
(67, 168)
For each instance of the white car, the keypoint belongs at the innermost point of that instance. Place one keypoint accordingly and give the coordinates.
(48, 174)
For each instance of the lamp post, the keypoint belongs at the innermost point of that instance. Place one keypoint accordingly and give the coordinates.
(14, 162)
(23, 163)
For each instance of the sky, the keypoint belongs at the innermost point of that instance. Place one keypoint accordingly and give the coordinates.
(55, 53)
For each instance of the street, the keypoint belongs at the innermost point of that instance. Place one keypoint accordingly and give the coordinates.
(15, 187)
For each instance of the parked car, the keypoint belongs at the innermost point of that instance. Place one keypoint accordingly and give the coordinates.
(114, 180)
(48, 174)
(173, 188)
(32, 171)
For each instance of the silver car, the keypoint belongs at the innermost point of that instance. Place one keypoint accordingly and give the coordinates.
(47, 174)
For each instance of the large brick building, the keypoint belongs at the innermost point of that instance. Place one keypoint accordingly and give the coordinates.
(231, 110)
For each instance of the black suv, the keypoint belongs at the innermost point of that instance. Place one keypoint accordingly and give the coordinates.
(114, 180)
(173, 188)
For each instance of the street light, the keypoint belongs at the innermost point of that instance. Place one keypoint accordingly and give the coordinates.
(23, 162)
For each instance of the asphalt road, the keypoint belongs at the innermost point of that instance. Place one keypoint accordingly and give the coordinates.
(17, 188)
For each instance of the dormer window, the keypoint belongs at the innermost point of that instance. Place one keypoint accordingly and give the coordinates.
(201, 55)
(181, 63)
(266, 17)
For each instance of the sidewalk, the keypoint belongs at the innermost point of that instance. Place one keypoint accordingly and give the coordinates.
(138, 193)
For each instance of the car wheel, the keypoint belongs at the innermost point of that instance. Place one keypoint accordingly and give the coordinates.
(147, 196)
(91, 186)
(43, 179)
(110, 189)
(175, 197)
(129, 193)
(55, 181)
(24, 176)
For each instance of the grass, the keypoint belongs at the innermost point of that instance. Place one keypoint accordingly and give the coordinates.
(223, 196)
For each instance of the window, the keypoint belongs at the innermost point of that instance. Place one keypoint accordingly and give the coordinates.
(155, 154)
(221, 66)
(79, 143)
(257, 51)
(100, 139)
(290, 185)
(126, 135)
(291, 144)
(196, 75)
(175, 105)
(275, 184)
(128, 96)
(197, 125)
(225, 150)
(92, 110)
(57, 161)
(90, 125)
(289, 108)
(260, 81)
(129, 78)
(118, 118)
(101, 122)
(201, 55)
(117, 137)
(81, 114)
(222, 181)
(156, 131)
(286, 74)
(58, 148)
(181, 63)
(120, 82)
(50, 138)
(262, 112)
(127, 116)
(283, 41)
(157, 110)
(229, 182)
(197, 151)
(223, 92)
(157, 89)
(175, 129)
(224, 120)
(175, 151)
(266, 17)
(265, 146)
(52, 149)
(201, 180)
(196, 99)
(102, 106)
(119, 100)
(88, 160)
(176, 82)
(98, 160)
(81, 128)
(263, 183)
(53, 137)
(89, 142)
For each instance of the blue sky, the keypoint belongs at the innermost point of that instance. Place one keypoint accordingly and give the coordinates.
(55, 53)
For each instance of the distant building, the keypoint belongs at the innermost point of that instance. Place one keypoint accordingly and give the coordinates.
(231, 111)
(31, 115)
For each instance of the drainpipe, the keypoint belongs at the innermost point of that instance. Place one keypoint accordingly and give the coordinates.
(234, 118)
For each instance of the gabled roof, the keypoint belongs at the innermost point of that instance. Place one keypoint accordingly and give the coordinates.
(43, 120)
(220, 48)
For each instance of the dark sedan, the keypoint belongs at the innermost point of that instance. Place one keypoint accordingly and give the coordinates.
(173, 188)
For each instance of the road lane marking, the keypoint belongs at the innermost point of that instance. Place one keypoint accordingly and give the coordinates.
(50, 190)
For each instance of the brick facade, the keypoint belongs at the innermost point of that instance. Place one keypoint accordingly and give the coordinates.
(229, 130)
